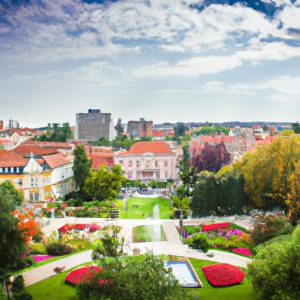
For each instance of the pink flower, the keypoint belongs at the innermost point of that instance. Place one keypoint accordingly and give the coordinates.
(243, 251)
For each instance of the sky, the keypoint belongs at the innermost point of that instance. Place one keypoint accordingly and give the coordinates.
(164, 60)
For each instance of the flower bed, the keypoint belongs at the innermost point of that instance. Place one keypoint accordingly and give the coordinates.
(215, 226)
(39, 258)
(223, 274)
(84, 273)
(243, 251)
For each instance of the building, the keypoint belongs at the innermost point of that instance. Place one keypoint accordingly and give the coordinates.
(147, 161)
(45, 174)
(141, 128)
(93, 125)
(1, 125)
(100, 156)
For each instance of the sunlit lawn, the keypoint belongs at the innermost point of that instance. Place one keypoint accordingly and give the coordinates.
(148, 233)
(141, 208)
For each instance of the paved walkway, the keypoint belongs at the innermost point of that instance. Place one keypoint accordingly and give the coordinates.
(46, 271)
(171, 233)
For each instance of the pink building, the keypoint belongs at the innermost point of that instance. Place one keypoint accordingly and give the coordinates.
(148, 160)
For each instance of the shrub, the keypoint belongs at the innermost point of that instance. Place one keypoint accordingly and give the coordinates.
(25, 263)
(223, 274)
(58, 247)
(199, 241)
(38, 248)
(18, 284)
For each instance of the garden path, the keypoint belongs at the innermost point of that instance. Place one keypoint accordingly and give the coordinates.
(171, 233)
(46, 271)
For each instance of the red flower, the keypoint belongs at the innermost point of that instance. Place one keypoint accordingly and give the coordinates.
(244, 251)
(82, 274)
(215, 226)
(223, 274)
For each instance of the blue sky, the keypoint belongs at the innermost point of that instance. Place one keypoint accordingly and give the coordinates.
(165, 60)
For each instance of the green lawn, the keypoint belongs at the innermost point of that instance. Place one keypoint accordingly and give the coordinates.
(136, 207)
(55, 288)
(144, 233)
(243, 291)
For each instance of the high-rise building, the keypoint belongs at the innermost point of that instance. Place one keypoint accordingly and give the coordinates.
(1, 125)
(93, 125)
(141, 128)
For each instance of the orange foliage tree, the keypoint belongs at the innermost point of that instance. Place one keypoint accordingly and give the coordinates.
(27, 224)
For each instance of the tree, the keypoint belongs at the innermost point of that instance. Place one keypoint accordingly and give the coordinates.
(119, 128)
(272, 174)
(16, 198)
(104, 184)
(296, 127)
(56, 133)
(131, 278)
(101, 142)
(180, 129)
(82, 166)
(110, 244)
(211, 158)
(12, 241)
(275, 270)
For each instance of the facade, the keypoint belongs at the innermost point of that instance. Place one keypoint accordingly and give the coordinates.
(93, 125)
(141, 128)
(147, 161)
(40, 177)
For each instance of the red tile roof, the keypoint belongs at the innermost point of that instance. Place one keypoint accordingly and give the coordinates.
(4, 142)
(158, 147)
(57, 160)
(35, 149)
(99, 161)
(9, 158)
(54, 145)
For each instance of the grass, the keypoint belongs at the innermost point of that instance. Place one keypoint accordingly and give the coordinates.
(144, 233)
(55, 288)
(141, 208)
(242, 291)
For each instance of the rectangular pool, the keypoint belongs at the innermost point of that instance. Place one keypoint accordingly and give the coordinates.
(184, 273)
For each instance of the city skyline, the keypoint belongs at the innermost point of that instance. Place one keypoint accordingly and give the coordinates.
(191, 61)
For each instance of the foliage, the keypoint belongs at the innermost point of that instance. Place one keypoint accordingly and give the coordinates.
(272, 176)
(121, 142)
(211, 158)
(81, 167)
(110, 244)
(22, 296)
(56, 134)
(101, 142)
(211, 130)
(275, 271)
(57, 246)
(37, 248)
(12, 241)
(182, 203)
(27, 224)
(220, 195)
(296, 127)
(179, 129)
(142, 279)
(199, 241)
(267, 227)
(119, 128)
(18, 284)
(223, 274)
(104, 184)
(287, 132)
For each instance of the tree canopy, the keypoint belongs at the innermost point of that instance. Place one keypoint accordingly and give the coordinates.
(179, 129)
(275, 270)
(211, 130)
(81, 167)
(272, 176)
(104, 184)
(57, 133)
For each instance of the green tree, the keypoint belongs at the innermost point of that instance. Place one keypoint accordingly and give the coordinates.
(275, 270)
(104, 184)
(179, 129)
(101, 142)
(82, 166)
(119, 128)
(296, 127)
(110, 244)
(12, 241)
(56, 133)
(144, 278)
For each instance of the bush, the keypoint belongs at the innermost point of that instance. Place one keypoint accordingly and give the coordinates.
(18, 284)
(22, 296)
(25, 263)
(199, 241)
(38, 248)
(268, 227)
(58, 247)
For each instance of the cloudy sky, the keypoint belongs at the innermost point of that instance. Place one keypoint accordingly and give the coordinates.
(165, 60)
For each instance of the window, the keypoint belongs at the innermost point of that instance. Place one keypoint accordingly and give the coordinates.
(1, 170)
(137, 163)
(36, 196)
(138, 175)
(121, 162)
(18, 170)
(129, 175)
(6, 170)
(166, 163)
(156, 163)
(166, 174)
(130, 163)
(11, 170)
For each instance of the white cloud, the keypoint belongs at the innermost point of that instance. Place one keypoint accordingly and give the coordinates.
(290, 17)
